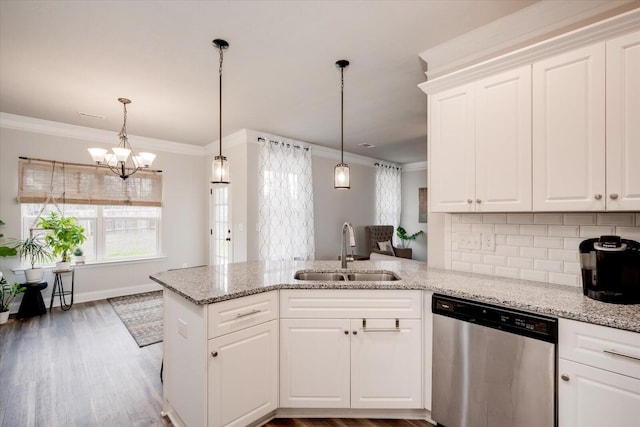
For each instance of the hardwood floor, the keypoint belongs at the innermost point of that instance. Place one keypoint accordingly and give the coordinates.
(81, 368)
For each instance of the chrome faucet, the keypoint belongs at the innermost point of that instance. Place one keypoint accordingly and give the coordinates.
(346, 227)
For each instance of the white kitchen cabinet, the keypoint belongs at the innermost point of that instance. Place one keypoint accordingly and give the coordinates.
(358, 352)
(480, 145)
(427, 349)
(243, 375)
(599, 376)
(623, 123)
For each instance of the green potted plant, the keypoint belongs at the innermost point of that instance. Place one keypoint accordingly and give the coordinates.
(36, 251)
(7, 294)
(5, 250)
(64, 235)
(78, 255)
(406, 238)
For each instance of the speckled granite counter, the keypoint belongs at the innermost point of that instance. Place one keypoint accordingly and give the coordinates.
(206, 285)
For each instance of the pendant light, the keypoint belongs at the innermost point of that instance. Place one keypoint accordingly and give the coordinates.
(220, 165)
(341, 172)
(124, 162)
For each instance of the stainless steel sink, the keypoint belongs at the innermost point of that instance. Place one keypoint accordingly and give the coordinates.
(373, 277)
(334, 276)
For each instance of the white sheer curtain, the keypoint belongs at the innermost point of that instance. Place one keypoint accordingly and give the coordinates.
(286, 229)
(388, 194)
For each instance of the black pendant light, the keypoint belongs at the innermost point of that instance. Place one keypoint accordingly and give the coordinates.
(220, 165)
(341, 172)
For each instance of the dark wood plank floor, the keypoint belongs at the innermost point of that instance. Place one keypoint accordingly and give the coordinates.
(82, 368)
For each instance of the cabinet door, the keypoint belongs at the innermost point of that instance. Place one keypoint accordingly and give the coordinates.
(386, 364)
(314, 363)
(243, 375)
(451, 151)
(623, 123)
(569, 132)
(503, 142)
(591, 397)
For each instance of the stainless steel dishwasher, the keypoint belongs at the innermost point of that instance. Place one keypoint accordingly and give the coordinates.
(492, 366)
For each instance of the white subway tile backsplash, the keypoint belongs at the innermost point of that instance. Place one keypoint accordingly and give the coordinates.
(547, 218)
(563, 279)
(564, 230)
(579, 219)
(533, 230)
(507, 229)
(507, 272)
(526, 263)
(534, 253)
(495, 218)
(520, 218)
(520, 240)
(563, 254)
(548, 265)
(617, 219)
(595, 231)
(547, 242)
(539, 276)
(541, 246)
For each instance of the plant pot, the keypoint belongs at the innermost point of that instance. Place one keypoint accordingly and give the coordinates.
(63, 265)
(79, 259)
(34, 275)
(4, 317)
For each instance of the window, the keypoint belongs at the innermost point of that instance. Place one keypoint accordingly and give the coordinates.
(113, 232)
(221, 233)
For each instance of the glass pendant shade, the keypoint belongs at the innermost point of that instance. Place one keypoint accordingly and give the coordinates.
(220, 170)
(147, 158)
(122, 154)
(97, 154)
(341, 176)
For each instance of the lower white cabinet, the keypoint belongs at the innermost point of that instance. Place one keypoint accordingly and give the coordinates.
(599, 376)
(243, 375)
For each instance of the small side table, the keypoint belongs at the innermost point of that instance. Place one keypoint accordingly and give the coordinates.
(32, 303)
(60, 292)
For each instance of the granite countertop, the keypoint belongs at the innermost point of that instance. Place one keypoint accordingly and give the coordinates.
(211, 284)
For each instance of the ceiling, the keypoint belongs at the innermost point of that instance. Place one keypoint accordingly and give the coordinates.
(60, 58)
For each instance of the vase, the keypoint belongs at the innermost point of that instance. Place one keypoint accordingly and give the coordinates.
(34, 275)
(4, 317)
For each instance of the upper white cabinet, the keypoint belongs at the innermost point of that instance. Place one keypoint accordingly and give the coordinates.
(569, 131)
(623, 123)
(480, 145)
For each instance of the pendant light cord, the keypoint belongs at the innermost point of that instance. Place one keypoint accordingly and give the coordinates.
(123, 131)
(342, 115)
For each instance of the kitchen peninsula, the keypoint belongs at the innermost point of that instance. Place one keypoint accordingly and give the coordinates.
(245, 340)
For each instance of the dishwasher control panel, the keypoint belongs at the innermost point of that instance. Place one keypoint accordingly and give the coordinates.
(509, 320)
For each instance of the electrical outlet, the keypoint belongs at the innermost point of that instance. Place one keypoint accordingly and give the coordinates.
(469, 240)
(488, 241)
(182, 328)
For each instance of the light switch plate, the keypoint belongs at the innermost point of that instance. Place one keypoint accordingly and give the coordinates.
(469, 241)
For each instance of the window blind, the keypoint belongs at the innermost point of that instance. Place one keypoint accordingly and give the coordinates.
(86, 184)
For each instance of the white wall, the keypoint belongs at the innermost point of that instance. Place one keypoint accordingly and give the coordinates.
(185, 227)
(412, 180)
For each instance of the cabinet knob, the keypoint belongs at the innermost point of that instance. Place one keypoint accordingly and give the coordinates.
(613, 196)
(214, 354)
(355, 332)
(564, 377)
(346, 332)
(478, 201)
(469, 201)
(598, 196)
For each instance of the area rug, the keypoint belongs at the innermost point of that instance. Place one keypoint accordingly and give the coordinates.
(142, 315)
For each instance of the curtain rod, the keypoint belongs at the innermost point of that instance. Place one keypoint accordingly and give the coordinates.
(288, 144)
(79, 164)
(387, 166)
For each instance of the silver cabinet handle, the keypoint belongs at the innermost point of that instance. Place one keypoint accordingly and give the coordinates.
(247, 314)
(214, 354)
(564, 377)
(478, 201)
(469, 201)
(613, 196)
(365, 329)
(617, 353)
(598, 196)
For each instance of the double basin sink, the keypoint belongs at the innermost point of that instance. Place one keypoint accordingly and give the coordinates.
(335, 276)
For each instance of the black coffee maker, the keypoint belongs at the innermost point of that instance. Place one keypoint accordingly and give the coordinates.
(611, 269)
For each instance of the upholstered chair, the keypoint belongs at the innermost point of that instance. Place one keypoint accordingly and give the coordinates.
(382, 233)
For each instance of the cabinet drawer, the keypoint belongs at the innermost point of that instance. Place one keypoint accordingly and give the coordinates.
(599, 346)
(350, 303)
(233, 315)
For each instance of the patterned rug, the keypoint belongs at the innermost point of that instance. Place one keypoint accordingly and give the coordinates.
(142, 315)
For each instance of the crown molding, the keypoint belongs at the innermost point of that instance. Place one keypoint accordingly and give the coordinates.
(600, 31)
(415, 166)
(92, 135)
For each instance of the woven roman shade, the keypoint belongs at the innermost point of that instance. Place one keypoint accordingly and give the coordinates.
(86, 184)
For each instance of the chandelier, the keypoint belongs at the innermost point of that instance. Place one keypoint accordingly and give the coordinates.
(122, 161)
